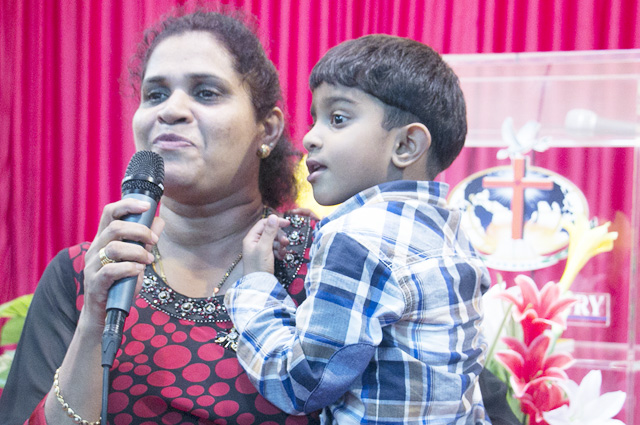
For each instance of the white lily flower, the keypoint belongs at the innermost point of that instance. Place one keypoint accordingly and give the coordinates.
(586, 405)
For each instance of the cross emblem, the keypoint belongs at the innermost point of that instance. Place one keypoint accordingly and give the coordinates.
(519, 183)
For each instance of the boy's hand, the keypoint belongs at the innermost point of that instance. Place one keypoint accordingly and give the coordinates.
(258, 245)
(305, 212)
(280, 244)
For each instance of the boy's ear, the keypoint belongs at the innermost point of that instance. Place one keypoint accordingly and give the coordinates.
(273, 126)
(412, 143)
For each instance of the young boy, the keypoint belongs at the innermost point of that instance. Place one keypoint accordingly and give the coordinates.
(390, 330)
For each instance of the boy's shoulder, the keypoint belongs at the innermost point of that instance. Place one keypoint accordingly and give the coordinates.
(387, 209)
(369, 215)
(371, 224)
(392, 202)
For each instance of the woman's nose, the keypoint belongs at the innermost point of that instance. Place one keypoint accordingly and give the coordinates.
(176, 109)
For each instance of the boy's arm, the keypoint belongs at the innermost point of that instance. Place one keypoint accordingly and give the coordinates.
(307, 359)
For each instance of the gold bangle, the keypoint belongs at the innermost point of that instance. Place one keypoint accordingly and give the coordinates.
(69, 411)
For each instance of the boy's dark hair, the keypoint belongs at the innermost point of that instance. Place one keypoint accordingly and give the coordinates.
(277, 182)
(413, 82)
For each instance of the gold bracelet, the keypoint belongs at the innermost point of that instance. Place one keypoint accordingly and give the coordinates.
(69, 411)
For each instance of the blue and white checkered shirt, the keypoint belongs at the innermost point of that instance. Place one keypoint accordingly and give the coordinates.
(390, 330)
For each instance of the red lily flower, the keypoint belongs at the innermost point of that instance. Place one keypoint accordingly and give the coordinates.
(530, 365)
(542, 397)
(536, 310)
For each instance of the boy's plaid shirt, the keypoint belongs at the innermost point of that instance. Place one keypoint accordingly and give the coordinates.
(390, 330)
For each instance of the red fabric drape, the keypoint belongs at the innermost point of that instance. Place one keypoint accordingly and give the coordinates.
(65, 126)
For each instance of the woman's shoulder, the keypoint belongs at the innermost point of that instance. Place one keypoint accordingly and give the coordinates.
(64, 275)
(71, 257)
(70, 261)
(76, 255)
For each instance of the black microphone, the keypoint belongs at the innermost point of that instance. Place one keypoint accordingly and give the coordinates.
(142, 180)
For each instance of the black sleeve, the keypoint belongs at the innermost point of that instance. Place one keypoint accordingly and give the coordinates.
(48, 329)
(494, 396)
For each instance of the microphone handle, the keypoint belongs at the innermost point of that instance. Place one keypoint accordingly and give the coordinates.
(121, 293)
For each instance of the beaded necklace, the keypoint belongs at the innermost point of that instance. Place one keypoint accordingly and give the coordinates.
(157, 266)
(160, 270)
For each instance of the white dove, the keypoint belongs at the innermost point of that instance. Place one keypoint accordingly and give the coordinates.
(522, 142)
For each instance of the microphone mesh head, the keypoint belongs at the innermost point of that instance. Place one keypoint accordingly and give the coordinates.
(146, 163)
(145, 173)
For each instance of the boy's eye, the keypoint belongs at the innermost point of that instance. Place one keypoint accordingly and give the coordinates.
(337, 119)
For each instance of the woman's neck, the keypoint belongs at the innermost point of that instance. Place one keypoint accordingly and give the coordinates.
(193, 226)
(199, 243)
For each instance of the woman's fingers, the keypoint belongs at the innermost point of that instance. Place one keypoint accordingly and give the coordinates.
(119, 230)
(116, 271)
(119, 209)
(156, 229)
(127, 259)
(99, 278)
(120, 249)
(157, 226)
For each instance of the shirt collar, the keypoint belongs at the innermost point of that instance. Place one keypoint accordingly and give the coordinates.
(430, 192)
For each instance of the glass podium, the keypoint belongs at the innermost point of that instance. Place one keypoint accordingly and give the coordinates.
(569, 119)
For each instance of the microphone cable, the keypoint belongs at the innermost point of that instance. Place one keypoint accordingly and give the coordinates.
(105, 394)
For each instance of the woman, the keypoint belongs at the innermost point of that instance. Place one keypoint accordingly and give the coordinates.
(209, 107)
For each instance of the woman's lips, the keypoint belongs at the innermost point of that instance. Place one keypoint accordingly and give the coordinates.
(171, 141)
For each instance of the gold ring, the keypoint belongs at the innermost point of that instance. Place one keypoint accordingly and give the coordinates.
(104, 260)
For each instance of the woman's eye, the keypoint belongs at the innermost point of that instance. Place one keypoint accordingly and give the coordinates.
(207, 94)
(155, 96)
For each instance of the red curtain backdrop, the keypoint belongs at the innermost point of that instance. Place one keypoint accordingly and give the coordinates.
(65, 106)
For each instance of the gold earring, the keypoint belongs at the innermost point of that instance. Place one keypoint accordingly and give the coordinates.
(264, 151)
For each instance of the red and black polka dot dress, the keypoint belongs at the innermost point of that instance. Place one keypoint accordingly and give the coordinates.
(177, 363)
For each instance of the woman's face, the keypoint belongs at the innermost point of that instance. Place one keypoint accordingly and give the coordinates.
(197, 114)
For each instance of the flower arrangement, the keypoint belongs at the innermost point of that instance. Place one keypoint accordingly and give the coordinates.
(540, 391)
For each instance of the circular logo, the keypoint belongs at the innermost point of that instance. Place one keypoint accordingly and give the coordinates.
(513, 215)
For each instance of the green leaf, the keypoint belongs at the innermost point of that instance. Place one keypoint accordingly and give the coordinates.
(11, 330)
(514, 403)
(17, 307)
(5, 365)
